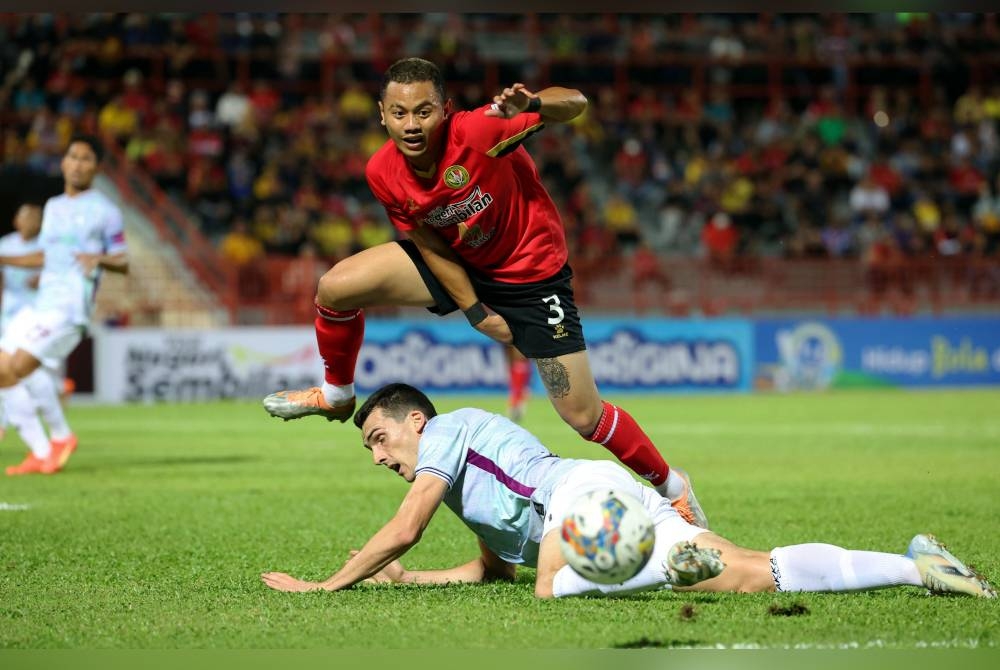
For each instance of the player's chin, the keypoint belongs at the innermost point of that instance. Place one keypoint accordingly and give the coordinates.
(412, 150)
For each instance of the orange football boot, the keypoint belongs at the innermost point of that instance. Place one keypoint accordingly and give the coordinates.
(61, 451)
(297, 404)
(31, 465)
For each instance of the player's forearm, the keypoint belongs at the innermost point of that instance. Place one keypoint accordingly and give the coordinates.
(561, 104)
(444, 263)
(454, 278)
(387, 545)
(114, 263)
(472, 572)
(35, 260)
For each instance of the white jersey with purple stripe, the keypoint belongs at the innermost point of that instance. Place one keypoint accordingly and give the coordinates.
(18, 288)
(499, 478)
(90, 223)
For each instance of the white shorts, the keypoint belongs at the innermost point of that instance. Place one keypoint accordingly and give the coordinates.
(670, 526)
(47, 335)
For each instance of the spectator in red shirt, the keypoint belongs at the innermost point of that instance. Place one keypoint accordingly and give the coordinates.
(134, 96)
(720, 238)
(264, 100)
(966, 182)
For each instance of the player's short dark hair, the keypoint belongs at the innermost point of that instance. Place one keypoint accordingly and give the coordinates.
(91, 141)
(411, 71)
(395, 401)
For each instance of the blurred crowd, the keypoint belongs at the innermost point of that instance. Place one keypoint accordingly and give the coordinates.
(260, 125)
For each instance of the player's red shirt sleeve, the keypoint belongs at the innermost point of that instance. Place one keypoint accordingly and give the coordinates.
(492, 135)
(376, 172)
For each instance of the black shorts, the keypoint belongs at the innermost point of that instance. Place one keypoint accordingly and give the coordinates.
(541, 315)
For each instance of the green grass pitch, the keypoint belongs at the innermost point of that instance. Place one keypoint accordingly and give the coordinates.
(155, 534)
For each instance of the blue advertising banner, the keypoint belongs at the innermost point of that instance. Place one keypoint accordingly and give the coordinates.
(838, 353)
(641, 355)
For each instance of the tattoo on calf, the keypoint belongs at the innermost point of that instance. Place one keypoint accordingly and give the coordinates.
(555, 377)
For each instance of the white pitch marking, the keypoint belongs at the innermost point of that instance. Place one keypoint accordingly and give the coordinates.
(871, 644)
(13, 507)
(862, 429)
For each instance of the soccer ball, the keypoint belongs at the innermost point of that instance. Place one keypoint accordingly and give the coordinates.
(607, 537)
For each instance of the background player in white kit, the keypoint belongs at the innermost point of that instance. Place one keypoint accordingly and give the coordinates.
(82, 234)
(513, 493)
(20, 286)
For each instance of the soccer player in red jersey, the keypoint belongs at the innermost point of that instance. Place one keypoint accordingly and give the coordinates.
(519, 369)
(481, 230)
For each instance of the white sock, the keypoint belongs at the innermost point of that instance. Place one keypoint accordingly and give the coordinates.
(825, 567)
(672, 487)
(41, 384)
(337, 395)
(569, 583)
(22, 414)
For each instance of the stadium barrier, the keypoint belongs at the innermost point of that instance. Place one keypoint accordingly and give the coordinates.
(844, 353)
(640, 355)
(153, 365)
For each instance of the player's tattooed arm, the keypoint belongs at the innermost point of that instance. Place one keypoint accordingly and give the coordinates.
(555, 376)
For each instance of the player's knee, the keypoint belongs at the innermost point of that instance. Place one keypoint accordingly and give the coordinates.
(583, 420)
(330, 292)
(544, 590)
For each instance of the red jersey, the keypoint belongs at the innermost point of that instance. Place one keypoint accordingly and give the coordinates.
(485, 197)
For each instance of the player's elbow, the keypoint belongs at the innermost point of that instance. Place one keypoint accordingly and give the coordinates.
(543, 591)
(505, 573)
(407, 536)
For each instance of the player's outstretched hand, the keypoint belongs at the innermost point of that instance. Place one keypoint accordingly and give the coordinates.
(279, 581)
(496, 327)
(510, 102)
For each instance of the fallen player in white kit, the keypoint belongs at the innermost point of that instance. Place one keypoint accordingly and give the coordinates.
(513, 494)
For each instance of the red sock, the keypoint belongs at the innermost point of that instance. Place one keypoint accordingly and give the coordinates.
(520, 375)
(339, 336)
(618, 432)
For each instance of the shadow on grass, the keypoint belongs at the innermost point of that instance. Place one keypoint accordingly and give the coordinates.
(161, 462)
(667, 643)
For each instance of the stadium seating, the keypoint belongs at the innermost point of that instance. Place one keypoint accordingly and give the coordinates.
(855, 157)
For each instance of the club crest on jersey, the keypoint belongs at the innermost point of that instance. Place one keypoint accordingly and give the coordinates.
(455, 176)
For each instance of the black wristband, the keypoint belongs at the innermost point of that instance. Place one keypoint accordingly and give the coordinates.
(476, 313)
(534, 104)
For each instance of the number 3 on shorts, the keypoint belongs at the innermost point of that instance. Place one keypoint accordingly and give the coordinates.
(553, 302)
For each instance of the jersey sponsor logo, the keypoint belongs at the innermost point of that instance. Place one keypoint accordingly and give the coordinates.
(455, 176)
(473, 235)
(458, 212)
